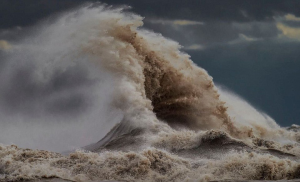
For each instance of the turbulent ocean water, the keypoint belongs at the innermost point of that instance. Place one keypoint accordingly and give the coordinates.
(95, 96)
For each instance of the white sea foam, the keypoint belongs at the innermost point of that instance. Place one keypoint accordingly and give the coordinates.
(68, 83)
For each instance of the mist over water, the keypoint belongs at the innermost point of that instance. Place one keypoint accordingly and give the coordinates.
(93, 78)
(53, 96)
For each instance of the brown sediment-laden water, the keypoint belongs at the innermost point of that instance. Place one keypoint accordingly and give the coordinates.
(175, 124)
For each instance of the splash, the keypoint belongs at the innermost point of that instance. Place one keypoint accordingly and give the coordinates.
(165, 112)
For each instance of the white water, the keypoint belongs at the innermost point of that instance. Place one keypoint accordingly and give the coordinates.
(69, 82)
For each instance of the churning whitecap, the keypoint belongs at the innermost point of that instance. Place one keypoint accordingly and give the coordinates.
(94, 73)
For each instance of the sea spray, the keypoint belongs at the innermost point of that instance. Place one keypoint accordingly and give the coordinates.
(168, 120)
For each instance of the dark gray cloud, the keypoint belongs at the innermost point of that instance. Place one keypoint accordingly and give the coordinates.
(216, 33)
(294, 24)
(257, 29)
(223, 20)
(207, 34)
(214, 10)
(23, 13)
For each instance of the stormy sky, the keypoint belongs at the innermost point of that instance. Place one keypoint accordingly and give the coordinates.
(250, 46)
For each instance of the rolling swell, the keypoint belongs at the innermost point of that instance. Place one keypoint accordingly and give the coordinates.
(177, 125)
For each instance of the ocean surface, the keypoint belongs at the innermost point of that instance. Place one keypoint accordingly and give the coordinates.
(105, 99)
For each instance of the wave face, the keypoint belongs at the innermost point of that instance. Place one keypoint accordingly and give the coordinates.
(167, 119)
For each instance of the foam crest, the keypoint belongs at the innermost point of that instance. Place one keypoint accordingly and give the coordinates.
(167, 119)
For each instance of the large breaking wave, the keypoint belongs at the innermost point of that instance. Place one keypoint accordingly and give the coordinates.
(96, 73)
